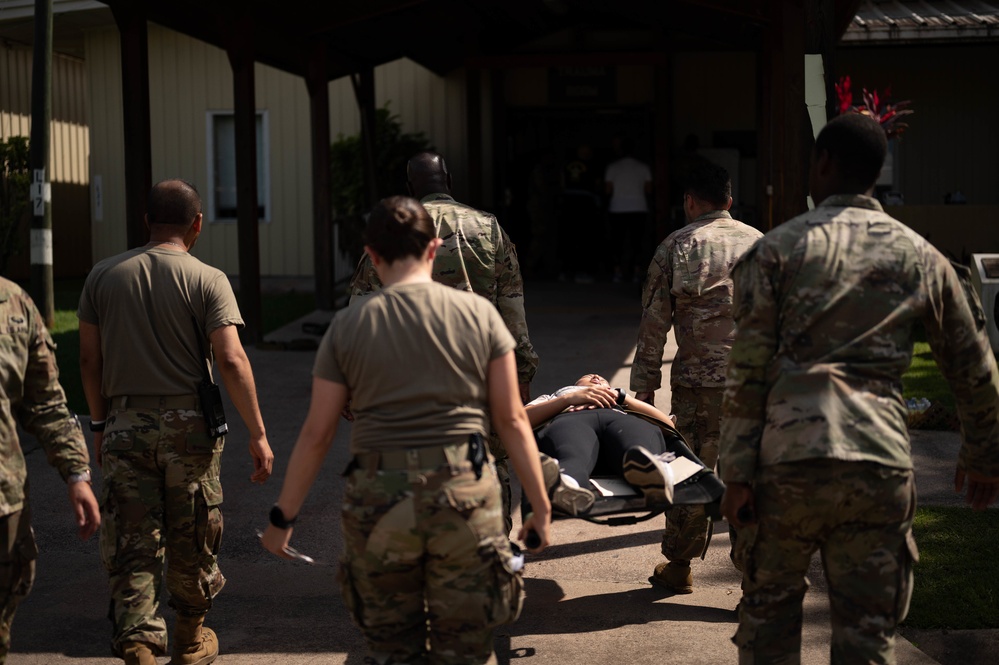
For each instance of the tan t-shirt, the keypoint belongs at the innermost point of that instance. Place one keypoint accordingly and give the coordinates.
(415, 358)
(143, 300)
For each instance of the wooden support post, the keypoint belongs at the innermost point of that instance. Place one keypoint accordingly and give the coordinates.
(41, 174)
(473, 104)
(785, 137)
(317, 83)
(364, 92)
(240, 53)
(135, 117)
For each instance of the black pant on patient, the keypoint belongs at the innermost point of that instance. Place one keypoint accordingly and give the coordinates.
(593, 441)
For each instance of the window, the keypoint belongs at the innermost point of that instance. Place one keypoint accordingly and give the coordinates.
(222, 166)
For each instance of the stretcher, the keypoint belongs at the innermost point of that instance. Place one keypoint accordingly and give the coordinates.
(618, 503)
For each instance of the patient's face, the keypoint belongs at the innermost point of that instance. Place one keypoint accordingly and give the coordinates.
(593, 380)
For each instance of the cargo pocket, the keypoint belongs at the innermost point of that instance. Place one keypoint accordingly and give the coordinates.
(351, 599)
(199, 443)
(466, 493)
(17, 567)
(508, 589)
(108, 534)
(118, 440)
(208, 516)
(907, 557)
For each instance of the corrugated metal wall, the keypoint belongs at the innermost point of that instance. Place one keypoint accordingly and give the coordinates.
(188, 79)
(69, 138)
(69, 153)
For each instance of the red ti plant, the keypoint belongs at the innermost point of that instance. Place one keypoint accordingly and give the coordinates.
(887, 114)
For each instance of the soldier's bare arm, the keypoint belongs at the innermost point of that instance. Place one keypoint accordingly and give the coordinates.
(237, 375)
(511, 423)
(328, 400)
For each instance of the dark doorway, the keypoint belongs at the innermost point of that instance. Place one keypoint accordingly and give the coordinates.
(539, 212)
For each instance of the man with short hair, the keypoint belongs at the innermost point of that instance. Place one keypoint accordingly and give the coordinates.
(151, 321)
(814, 447)
(477, 256)
(689, 287)
(628, 184)
(32, 398)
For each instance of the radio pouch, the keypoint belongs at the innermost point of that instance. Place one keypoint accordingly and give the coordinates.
(209, 394)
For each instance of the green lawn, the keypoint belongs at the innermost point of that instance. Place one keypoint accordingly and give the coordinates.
(957, 577)
(277, 310)
(924, 379)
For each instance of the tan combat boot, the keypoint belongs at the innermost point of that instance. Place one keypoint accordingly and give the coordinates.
(137, 653)
(192, 643)
(673, 576)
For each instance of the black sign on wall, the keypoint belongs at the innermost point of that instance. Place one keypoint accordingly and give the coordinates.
(593, 85)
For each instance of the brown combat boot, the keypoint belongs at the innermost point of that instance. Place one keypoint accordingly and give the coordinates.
(673, 576)
(192, 643)
(137, 653)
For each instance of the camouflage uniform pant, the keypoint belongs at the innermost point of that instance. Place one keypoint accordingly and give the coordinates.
(426, 572)
(160, 498)
(858, 515)
(17, 569)
(698, 417)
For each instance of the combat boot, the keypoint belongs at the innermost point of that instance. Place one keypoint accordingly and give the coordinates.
(137, 653)
(673, 576)
(192, 643)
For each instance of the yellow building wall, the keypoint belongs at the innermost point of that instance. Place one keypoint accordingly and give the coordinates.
(69, 152)
(188, 79)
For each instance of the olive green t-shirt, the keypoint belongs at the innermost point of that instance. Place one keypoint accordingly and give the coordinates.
(142, 301)
(415, 358)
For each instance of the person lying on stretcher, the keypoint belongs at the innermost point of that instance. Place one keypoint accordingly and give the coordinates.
(586, 428)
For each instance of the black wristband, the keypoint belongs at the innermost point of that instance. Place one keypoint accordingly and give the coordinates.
(278, 518)
(98, 426)
(621, 395)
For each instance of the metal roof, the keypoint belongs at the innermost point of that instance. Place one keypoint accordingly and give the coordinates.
(920, 21)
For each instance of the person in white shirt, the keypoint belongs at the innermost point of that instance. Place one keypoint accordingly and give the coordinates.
(628, 184)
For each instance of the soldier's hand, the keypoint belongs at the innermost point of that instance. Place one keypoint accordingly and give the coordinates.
(647, 397)
(738, 506)
(263, 459)
(982, 490)
(276, 540)
(85, 509)
(540, 525)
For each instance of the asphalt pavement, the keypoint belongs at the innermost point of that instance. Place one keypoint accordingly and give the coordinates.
(588, 598)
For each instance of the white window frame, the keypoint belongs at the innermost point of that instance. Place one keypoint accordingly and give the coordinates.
(263, 159)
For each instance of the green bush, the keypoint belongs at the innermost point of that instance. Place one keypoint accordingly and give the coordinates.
(349, 198)
(15, 182)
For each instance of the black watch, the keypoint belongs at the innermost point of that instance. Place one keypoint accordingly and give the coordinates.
(98, 426)
(621, 395)
(278, 518)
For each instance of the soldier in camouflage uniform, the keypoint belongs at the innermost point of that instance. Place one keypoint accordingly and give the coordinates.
(427, 570)
(30, 396)
(151, 320)
(689, 287)
(814, 447)
(477, 256)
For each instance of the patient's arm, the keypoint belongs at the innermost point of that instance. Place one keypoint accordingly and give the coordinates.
(646, 409)
(591, 396)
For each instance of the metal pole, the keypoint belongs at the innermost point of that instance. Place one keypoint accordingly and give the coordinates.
(41, 190)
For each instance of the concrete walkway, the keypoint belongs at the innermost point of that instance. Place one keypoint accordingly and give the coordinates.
(589, 601)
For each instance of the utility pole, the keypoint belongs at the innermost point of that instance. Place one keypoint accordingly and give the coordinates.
(41, 189)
